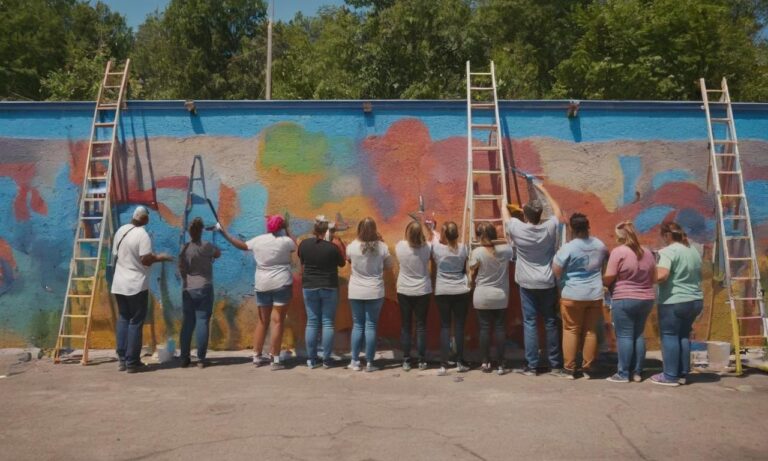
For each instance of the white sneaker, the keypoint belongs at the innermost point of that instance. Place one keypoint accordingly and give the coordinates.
(354, 365)
(260, 360)
(442, 371)
(371, 368)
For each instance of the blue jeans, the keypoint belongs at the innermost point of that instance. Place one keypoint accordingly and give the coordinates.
(365, 315)
(197, 307)
(535, 303)
(676, 323)
(320, 304)
(629, 316)
(132, 310)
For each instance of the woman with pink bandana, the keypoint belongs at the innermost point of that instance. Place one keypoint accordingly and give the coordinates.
(274, 284)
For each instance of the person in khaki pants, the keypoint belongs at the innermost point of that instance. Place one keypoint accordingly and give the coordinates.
(579, 265)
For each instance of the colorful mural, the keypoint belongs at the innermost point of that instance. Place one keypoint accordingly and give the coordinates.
(644, 161)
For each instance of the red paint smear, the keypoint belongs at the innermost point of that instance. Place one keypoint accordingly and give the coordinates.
(22, 174)
(525, 154)
(228, 206)
(78, 155)
(173, 182)
(37, 203)
(6, 253)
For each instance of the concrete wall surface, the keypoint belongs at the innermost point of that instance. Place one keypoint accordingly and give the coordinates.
(644, 161)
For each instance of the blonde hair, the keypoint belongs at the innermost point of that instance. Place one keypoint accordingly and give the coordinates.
(368, 235)
(626, 235)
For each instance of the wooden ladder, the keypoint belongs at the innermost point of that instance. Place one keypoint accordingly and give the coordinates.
(486, 194)
(95, 222)
(735, 241)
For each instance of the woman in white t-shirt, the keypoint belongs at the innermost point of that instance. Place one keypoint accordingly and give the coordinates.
(369, 256)
(489, 264)
(413, 289)
(273, 282)
(451, 292)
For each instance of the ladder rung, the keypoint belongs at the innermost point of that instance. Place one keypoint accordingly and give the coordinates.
(89, 240)
(737, 237)
(104, 124)
(488, 88)
(91, 218)
(752, 337)
(73, 336)
(729, 172)
(86, 258)
(487, 197)
(100, 159)
(97, 178)
(74, 295)
(480, 73)
(748, 298)
(112, 86)
(732, 195)
(94, 199)
(484, 148)
(76, 316)
(115, 73)
(718, 154)
(487, 172)
(735, 217)
(107, 105)
(480, 105)
(744, 278)
(724, 141)
(715, 91)
(720, 120)
(484, 126)
(101, 143)
(84, 279)
(745, 258)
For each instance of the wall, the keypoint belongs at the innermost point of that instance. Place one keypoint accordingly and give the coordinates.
(641, 161)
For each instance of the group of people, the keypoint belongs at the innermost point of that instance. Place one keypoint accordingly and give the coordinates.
(577, 277)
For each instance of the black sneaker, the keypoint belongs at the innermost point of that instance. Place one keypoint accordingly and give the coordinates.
(202, 364)
(527, 371)
(185, 361)
(121, 365)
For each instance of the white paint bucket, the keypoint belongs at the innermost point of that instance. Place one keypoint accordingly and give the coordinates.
(719, 355)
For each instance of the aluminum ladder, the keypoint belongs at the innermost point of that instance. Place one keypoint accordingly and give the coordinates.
(735, 241)
(95, 222)
(486, 195)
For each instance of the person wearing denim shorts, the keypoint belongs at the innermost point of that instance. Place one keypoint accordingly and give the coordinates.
(369, 257)
(680, 303)
(273, 282)
(630, 275)
(320, 262)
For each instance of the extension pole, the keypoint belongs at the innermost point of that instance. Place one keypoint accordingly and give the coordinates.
(269, 49)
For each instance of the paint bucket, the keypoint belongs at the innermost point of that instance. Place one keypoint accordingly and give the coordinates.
(719, 355)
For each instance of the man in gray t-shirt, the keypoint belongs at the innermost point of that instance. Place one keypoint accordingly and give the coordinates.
(535, 243)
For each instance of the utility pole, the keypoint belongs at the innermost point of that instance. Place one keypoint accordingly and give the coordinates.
(270, 13)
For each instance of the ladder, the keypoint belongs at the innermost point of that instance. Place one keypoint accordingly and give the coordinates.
(735, 240)
(95, 222)
(486, 194)
(197, 165)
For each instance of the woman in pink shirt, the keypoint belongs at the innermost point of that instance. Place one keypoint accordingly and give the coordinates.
(630, 275)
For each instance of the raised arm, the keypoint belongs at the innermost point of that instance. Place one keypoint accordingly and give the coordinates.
(236, 242)
(556, 211)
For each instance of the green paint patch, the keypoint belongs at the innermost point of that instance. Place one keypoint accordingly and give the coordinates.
(292, 149)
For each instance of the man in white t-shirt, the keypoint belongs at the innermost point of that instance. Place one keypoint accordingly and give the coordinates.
(535, 242)
(130, 285)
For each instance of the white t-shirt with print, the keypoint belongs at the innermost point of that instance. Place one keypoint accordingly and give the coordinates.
(131, 276)
(413, 278)
(273, 261)
(367, 279)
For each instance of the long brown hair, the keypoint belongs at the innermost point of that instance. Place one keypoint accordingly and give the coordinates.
(368, 236)
(675, 231)
(414, 235)
(626, 235)
(486, 232)
(450, 234)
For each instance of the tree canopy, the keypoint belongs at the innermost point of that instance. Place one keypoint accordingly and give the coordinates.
(390, 49)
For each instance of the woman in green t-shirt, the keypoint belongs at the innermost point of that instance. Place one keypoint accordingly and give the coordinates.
(680, 302)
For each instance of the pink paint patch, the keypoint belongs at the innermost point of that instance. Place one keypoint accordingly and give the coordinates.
(173, 182)
(22, 174)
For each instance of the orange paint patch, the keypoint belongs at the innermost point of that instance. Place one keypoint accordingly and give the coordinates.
(6, 253)
(168, 215)
(228, 205)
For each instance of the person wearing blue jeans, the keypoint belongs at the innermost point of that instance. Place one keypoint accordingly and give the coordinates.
(321, 256)
(320, 304)
(365, 317)
(197, 307)
(680, 302)
(629, 317)
(535, 303)
(132, 310)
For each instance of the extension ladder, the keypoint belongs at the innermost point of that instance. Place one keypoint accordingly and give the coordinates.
(95, 222)
(735, 240)
(486, 194)
(197, 165)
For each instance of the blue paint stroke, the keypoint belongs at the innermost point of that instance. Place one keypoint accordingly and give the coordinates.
(631, 169)
(651, 217)
(757, 196)
(668, 176)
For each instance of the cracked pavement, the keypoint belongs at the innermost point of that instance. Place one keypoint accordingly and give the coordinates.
(234, 411)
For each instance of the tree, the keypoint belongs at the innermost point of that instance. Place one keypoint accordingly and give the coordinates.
(639, 49)
(202, 49)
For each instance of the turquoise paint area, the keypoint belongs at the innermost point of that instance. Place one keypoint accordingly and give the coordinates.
(665, 177)
(595, 125)
(651, 217)
(757, 195)
(631, 169)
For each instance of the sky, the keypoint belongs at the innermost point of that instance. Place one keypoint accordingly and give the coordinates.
(135, 11)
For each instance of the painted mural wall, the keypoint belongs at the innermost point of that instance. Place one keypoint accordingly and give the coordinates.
(641, 161)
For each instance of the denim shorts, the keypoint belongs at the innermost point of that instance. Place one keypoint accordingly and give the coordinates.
(279, 297)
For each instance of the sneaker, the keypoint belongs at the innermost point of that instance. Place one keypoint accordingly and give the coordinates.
(312, 364)
(185, 361)
(569, 374)
(637, 378)
(121, 366)
(327, 364)
(276, 364)
(559, 373)
(500, 371)
(617, 379)
(260, 360)
(683, 380)
(406, 365)
(461, 367)
(370, 368)
(586, 374)
(662, 381)
(486, 368)
(202, 364)
(527, 371)
(354, 365)
(131, 369)
(442, 371)
(423, 365)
